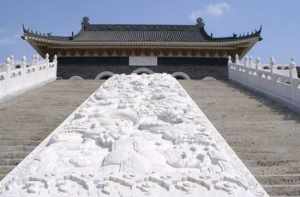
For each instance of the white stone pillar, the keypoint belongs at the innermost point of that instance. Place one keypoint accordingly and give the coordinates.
(237, 59)
(250, 63)
(292, 67)
(229, 60)
(7, 64)
(257, 63)
(272, 64)
(24, 62)
(246, 59)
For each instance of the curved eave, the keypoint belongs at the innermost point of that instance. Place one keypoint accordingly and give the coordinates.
(211, 43)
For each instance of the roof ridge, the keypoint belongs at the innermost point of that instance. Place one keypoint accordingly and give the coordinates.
(139, 27)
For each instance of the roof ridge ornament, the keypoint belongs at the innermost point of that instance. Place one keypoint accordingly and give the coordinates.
(200, 22)
(85, 22)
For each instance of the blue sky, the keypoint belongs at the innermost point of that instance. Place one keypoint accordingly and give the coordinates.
(280, 20)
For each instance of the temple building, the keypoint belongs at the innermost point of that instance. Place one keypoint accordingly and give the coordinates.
(98, 51)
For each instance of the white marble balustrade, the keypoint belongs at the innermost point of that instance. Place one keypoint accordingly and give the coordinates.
(280, 82)
(18, 76)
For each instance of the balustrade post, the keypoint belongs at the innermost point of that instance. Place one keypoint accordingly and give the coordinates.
(55, 59)
(12, 63)
(257, 63)
(246, 59)
(292, 66)
(250, 63)
(38, 59)
(12, 60)
(33, 60)
(47, 60)
(229, 60)
(237, 59)
(7, 64)
(272, 63)
(24, 62)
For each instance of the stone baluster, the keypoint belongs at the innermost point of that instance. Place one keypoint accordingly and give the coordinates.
(33, 59)
(237, 59)
(55, 59)
(229, 60)
(7, 64)
(47, 60)
(12, 62)
(257, 63)
(272, 63)
(250, 63)
(24, 61)
(47, 56)
(38, 59)
(246, 59)
(292, 67)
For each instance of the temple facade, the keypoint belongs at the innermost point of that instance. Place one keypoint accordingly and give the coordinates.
(98, 51)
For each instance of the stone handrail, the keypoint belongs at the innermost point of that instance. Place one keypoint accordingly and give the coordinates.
(18, 76)
(282, 84)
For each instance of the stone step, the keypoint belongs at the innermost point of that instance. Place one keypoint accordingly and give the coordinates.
(13, 155)
(9, 162)
(25, 148)
(18, 142)
(282, 190)
(283, 168)
(284, 179)
(4, 170)
(283, 196)
(275, 170)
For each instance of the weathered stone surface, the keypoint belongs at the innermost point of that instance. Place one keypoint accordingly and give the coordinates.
(244, 119)
(137, 135)
(27, 119)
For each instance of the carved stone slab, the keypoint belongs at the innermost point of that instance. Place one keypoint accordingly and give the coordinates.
(137, 135)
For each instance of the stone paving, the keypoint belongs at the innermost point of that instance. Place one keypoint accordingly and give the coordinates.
(265, 135)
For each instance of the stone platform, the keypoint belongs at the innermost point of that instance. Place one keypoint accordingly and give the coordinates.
(262, 133)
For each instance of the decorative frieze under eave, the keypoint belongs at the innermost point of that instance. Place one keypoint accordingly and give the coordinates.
(134, 52)
(72, 44)
(214, 49)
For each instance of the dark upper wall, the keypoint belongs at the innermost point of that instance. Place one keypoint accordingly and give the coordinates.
(90, 67)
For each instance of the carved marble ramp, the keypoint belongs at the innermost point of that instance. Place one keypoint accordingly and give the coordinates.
(137, 135)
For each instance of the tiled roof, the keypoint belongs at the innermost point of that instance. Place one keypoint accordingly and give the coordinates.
(141, 35)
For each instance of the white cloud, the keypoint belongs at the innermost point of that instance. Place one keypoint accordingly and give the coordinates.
(215, 10)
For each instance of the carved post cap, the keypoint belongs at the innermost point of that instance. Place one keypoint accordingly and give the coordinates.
(8, 60)
(237, 59)
(272, 61)
(24, 59)
(246, 59)
(229, 60)
(257, 60)
(12, 59)
(292, 66)
(250, 61)
(292, 63)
